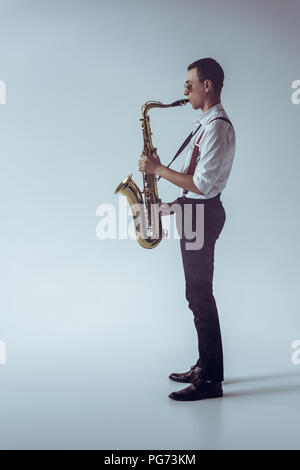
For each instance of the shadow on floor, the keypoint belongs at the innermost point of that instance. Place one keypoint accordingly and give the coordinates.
(290, 383)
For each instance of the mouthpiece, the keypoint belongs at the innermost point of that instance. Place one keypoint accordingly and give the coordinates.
(180, 102)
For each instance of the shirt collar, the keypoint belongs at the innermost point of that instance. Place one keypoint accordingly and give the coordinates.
(205, 117)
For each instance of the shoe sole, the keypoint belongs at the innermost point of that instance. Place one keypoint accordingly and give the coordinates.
(199, 397)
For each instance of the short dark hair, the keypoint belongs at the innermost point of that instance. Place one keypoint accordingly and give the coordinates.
(209, 69)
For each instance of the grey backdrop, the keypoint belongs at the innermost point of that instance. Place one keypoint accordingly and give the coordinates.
(93, 328)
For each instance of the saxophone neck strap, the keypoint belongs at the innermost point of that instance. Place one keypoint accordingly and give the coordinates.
(182, 147)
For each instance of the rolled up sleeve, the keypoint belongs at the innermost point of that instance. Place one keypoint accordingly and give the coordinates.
(213, 148)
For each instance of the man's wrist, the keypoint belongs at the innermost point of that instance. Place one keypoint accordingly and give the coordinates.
(159, 169)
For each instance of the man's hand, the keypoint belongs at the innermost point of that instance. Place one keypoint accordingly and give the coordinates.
(149, 163)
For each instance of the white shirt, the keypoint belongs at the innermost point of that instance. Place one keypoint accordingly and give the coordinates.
(215, 156)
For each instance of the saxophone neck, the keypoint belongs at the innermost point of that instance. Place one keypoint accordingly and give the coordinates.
(158, 104)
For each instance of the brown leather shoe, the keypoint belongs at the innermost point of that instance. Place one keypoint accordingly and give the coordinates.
(198, 390)
(185, 376)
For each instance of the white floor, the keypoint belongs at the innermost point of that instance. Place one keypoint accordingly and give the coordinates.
(88, 403)
(89, 354)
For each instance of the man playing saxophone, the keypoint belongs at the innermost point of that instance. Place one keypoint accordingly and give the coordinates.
(203, 177)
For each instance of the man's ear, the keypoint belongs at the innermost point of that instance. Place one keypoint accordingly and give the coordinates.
(208, 86)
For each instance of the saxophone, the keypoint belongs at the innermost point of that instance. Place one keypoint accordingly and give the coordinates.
(146, 213)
